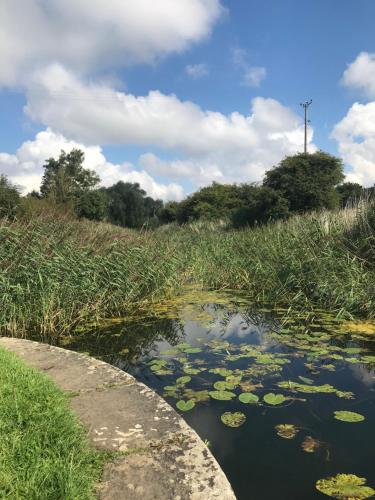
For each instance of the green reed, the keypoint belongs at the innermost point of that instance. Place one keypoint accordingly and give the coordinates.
(56, 272)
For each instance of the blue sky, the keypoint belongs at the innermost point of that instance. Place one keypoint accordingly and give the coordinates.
(90, 87)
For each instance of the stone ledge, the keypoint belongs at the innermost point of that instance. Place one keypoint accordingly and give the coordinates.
(163, 457)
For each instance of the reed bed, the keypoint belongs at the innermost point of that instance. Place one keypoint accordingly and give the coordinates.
(56, 272)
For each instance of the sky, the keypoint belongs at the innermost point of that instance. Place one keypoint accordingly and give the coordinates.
(176, 94)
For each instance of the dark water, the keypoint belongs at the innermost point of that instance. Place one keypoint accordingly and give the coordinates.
(266, 354)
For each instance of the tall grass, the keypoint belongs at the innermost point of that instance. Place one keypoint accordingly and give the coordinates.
(56, 272)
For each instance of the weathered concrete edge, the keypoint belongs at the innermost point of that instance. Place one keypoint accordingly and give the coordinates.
(161, 427)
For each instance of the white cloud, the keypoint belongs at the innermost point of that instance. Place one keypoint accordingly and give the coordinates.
(209, 145)
(254, 75)
(97, 114)
(361, 74)
(25, 167)
(89, 35)
(355, 135)
(196, 71)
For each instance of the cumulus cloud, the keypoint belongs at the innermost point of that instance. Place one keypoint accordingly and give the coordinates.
(196, 71)
(361, 74)
(97, 114)
(355, 133)
(25, 167)
(87, 35)
(254, 75)
(208, 144)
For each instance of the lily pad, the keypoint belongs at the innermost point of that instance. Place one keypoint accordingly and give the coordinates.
(310, 445)
(306, 380)
(223, 385)
(248, 397)
(274, 399)
(162, 372)
(349, 416)
(197, 396)
(286, 431)
(222, 395)
(183, 380)
(170, 388)
(192, 371)
(235, 419)
(224, 372)
(185, 405)
(368, 359)
(345, 487)
(192, 350)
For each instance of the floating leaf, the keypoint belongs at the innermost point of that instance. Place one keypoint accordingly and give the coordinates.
(233, 379)
(248, 397)
(185, 405)
(352, 350)
(222, 395)
(224, 372)
(345, 487)
(310, 445)
(163, 372)
(183, 380)
(274, 399)
(170, 388)
(309, 389)
(169, 352)
(286, 431)
(345, 394)
(235, 419)
(348, 416)
(183, 346)
(306, 380)
(329, 367)
(193, 350)
(197, 396)
(222, 385)
(192, 371)
(368, 359)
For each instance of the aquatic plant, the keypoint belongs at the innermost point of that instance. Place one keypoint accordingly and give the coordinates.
(185, 405)
(235, 419)
(286, 431)
(345, 487)
(348, 416)
(274, 399)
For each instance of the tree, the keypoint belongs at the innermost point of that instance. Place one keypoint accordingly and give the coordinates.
(260, 205)
(9, 198)
(217, 201)
(168, 213)
(93, 205)
(349, 192)
(307, 181)
(65, 179)
(127, 205)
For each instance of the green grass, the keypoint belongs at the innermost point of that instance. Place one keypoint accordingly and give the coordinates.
(43, 449)
(57, 272)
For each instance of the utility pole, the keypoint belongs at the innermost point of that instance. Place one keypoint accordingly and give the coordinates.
(306, 106)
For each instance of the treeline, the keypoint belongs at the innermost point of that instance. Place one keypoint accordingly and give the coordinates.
(298, 184)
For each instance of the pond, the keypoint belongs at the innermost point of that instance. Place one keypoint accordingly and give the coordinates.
(283, 401)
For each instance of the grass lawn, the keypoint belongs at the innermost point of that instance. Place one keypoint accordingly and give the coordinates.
(44, 453)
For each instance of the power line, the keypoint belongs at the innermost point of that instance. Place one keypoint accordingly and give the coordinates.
(306, 106)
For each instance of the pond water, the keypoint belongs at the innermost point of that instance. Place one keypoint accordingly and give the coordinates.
(269, 392)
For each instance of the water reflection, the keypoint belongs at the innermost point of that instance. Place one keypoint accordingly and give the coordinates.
(210, 352)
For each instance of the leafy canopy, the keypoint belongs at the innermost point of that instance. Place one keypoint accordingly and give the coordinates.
(307, 181)
(65, 179)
